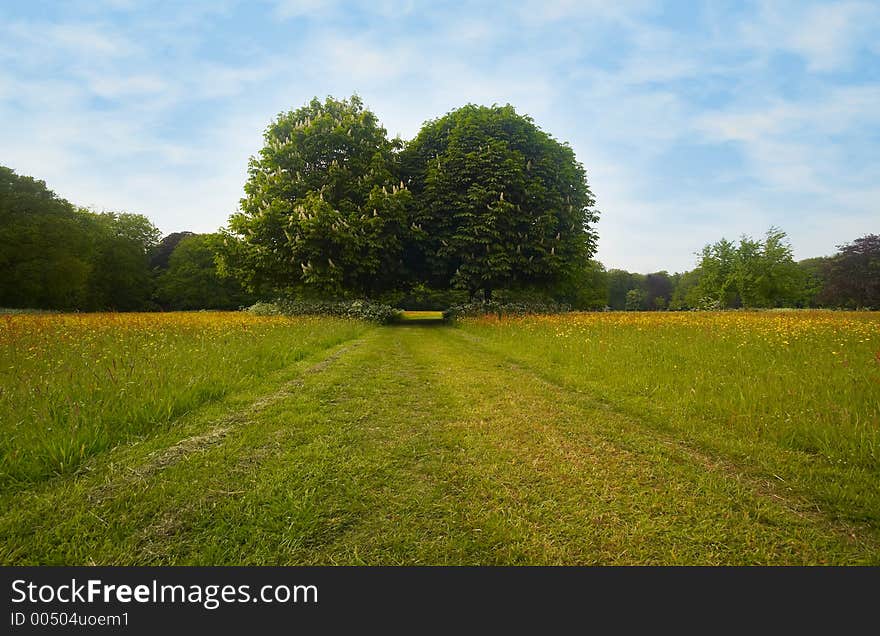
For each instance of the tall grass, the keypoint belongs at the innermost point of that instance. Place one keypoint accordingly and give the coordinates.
(806, 382)
(73, 385)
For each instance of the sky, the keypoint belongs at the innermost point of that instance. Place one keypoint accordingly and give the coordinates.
(694, 120)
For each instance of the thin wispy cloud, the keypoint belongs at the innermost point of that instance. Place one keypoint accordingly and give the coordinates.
(694, 120)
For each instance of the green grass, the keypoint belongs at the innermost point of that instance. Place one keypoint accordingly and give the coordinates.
(404, 445)
(72, 386)
(792, 398)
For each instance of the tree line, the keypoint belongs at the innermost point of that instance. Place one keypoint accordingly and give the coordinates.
(755, 274)
(55, 255)
(481, 204)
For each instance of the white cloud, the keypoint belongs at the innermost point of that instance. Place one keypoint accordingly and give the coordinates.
(826, 36)
(791, 144)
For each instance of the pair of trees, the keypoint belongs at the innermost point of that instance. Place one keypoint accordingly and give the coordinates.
(480, 200)
(56, 256)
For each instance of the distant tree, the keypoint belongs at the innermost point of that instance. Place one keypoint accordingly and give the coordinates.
(686, 290)
(160, 254)
(853, 275)
(324, 210)
(191, 280)
(499, 203)
(814, 276)
(717, 283)
(635, 300)
(752, 274)
(120, 278)
(585, 287)
(658, 290)
(44, 246)
(766, 274)
(620, 282)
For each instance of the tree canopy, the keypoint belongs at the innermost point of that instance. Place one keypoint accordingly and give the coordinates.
(481, 199)
(191, 279)
(56, 256)
(853, 274)
(324, 210)
(751, 274)
(498, 202)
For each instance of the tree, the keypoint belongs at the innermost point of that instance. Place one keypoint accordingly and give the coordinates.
(685, 294)
(765, 273)
(853, 275)
(499, 203)
(717, 286)
(752, 274)
(585, 287)
(658, 290)
(120, 278)
(814, 274)
(191, 280)
(620, 282)
(161, 253)
(635, 300)
(324, 210)
(44, 246)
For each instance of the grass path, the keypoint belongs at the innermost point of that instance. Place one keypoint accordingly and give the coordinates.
(414, 445)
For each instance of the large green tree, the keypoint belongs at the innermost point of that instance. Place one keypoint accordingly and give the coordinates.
(324, 211)
(499, 203)
(45, 247)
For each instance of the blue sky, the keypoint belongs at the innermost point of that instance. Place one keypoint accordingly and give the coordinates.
(694, 120)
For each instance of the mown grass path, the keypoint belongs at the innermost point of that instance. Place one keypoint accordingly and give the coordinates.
(415, 445)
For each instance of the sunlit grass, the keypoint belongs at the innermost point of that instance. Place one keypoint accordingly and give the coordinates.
(72, 385)
(742, 383)
(415, 316)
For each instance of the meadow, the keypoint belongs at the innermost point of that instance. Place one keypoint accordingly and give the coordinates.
(73, 385)
(585, 438)
(791, 395)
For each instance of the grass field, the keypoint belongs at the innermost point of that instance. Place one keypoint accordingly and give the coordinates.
(733, 438)
(74, 385)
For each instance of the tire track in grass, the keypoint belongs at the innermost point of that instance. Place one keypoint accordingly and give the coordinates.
(347, 455)
(127, 472)
(766, 486)
(218, 430)
(421, 450)
(591, 466)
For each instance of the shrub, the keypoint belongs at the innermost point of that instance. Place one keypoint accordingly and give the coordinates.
(356, 309)
(504, 309)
